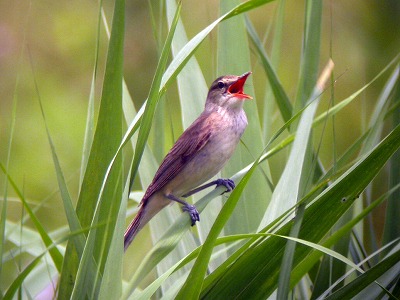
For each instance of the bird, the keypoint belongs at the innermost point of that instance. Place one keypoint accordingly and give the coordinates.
(199, 154)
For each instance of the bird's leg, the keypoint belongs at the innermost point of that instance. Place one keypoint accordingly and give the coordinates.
(228, 183)
(191, 209)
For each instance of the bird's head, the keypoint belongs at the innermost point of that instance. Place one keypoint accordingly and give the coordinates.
(227, 91)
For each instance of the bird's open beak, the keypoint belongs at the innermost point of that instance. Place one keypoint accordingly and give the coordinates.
(236, 88)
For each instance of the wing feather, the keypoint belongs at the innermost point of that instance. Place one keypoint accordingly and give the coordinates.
(188, 144)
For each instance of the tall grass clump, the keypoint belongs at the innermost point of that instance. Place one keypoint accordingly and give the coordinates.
(301, 222)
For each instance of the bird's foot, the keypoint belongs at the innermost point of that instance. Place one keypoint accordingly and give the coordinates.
(186, 207)
(192, 211)
(228, 183)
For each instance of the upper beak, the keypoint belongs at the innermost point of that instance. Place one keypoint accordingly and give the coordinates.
(236, 88)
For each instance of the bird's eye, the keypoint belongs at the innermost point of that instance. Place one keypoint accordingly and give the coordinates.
(221, 85)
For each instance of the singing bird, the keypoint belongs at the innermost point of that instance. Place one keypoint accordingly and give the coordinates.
(198, 154)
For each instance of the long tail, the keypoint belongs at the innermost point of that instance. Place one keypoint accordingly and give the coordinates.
(149, 208)
(134, 228)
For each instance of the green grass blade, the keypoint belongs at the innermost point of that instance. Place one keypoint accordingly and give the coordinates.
(72, 218)
(106, 140)
(310, 53)
(17, 282)
(281, 98)
(154, 97)
(89, 128)
(287, 190)
(54, 252)
(276, 44)
(292, 183)
(364, 280)
(192, 87)
(379, 113)
(111, 286)
(342, 104)
(5, 193)
(73, 221)
(234, 58)
(392, 226)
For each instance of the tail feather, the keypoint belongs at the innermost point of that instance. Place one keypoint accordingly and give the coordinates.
(133, 228)
(149, 208)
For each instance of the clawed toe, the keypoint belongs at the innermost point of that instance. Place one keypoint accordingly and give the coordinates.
(228, 183)
(193, 213)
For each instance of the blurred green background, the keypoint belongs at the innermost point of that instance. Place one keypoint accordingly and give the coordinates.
(54, 42)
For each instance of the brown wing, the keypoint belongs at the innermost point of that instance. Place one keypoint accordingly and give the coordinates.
(189, 143)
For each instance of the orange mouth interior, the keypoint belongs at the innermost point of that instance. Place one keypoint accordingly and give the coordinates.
(236, 88)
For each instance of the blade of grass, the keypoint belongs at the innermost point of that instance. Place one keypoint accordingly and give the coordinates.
(276, 50)
(154, 97)
(309, 62)
(234, 58)
(281, 98)
(106, 139)
(19, 280)
(5, 193)
(292, 184)
(391, 226)
(145, 121)
(192, 87)
(111, 287)
(55, 253)
(287, 190)
(364, 280)
(89, 128)
(381, 107)
(73, 221)
(151, 289)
